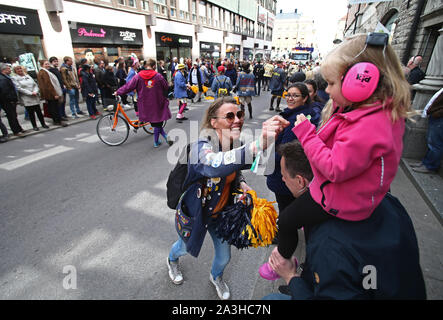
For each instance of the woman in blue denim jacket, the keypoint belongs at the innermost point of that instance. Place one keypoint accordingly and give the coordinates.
(214, 171)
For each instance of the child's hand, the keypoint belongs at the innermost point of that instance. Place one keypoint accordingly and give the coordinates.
(300, 119)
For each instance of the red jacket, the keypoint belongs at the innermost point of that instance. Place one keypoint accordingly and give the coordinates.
(354, 158)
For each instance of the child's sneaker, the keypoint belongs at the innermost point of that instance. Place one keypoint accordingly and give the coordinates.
(267, 273)
(157, 144)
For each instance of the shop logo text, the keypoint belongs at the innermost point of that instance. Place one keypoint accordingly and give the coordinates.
(12, 18)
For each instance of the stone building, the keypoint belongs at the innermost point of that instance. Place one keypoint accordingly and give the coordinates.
(416, 28)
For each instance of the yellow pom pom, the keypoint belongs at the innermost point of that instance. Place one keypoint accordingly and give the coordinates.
(264, 221)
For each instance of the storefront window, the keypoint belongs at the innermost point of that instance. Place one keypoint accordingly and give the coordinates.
(13, 46)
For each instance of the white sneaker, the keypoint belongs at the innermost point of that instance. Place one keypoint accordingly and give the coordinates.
(174, 273)
(221, 287)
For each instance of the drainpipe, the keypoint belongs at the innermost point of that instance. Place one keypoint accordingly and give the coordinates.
(356, 17)
(413, 32)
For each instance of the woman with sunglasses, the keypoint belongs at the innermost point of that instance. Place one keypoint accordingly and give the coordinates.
(214, 173)
(298, 102)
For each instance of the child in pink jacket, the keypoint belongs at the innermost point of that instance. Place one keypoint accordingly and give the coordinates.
(355, 152)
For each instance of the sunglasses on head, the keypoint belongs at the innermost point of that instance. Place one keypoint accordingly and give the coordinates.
(230, 116)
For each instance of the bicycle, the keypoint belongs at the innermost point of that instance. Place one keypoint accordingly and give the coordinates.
(113, 128)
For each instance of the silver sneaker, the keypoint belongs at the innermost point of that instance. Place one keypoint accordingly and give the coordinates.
(221, 287)
(174, 273)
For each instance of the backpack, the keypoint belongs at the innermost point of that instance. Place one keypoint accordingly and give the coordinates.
(222, 91)
(259, 71)
(174, 185)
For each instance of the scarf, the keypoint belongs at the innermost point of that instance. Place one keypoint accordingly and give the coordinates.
(54, 82)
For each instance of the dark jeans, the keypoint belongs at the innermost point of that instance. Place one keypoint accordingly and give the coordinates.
(302, 212)
(62, 105)
(266, 81)
(434, 153)
(32, 111)
(258, 84)
(53, 109)
(11, 113)
(90, 103)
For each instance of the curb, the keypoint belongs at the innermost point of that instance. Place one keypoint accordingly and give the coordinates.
(429, 186)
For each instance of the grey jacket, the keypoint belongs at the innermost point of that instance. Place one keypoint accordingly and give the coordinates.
(25, 87)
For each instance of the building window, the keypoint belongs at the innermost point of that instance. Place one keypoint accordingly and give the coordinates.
(145, 5)
(184, 9)
(160, 7)
(194, 10)
(202, 11)
(122, 2)
(209, 7)
(173, 7)
(131, 3)
(216, 17)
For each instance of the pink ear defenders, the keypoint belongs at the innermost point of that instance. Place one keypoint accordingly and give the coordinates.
(360, 82)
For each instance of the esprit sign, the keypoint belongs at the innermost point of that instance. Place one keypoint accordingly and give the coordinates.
(19, 21)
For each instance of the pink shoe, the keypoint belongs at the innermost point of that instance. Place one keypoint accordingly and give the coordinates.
(267, 273)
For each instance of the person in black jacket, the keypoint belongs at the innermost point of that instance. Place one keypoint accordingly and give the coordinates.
(9, 98)
(110, 85)
(259, 72)
(89, 90)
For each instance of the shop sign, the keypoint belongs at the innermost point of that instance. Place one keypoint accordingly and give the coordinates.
(19, 21)
(95, 34)
(210, 46)
(172, 40)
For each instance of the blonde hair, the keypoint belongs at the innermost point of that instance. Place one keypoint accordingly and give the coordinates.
(393, 89)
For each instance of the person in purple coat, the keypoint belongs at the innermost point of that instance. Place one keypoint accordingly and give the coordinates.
(153, 105)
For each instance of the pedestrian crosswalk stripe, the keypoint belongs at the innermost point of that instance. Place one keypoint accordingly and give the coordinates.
(12, 165)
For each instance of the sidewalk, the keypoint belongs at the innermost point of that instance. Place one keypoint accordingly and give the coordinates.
(27, 126)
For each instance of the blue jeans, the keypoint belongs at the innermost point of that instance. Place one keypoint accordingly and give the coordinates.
(434, 154)
(222, 252)
(73, 100)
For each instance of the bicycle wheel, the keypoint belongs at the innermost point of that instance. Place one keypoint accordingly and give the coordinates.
(149, 129)
(109, 136)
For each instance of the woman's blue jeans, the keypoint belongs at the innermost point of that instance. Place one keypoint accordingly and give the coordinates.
(222, 252)
(434, 153)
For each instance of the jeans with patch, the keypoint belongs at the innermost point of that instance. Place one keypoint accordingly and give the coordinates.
(222, 252)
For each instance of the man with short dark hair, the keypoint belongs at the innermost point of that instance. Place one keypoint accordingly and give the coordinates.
(277, 86)
(54, 69)
(377, 258)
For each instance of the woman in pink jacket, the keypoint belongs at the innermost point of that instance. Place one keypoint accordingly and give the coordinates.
(355, 152)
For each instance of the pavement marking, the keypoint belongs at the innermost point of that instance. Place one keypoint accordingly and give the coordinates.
(12, 165)
(78, 136)
(91, 139)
